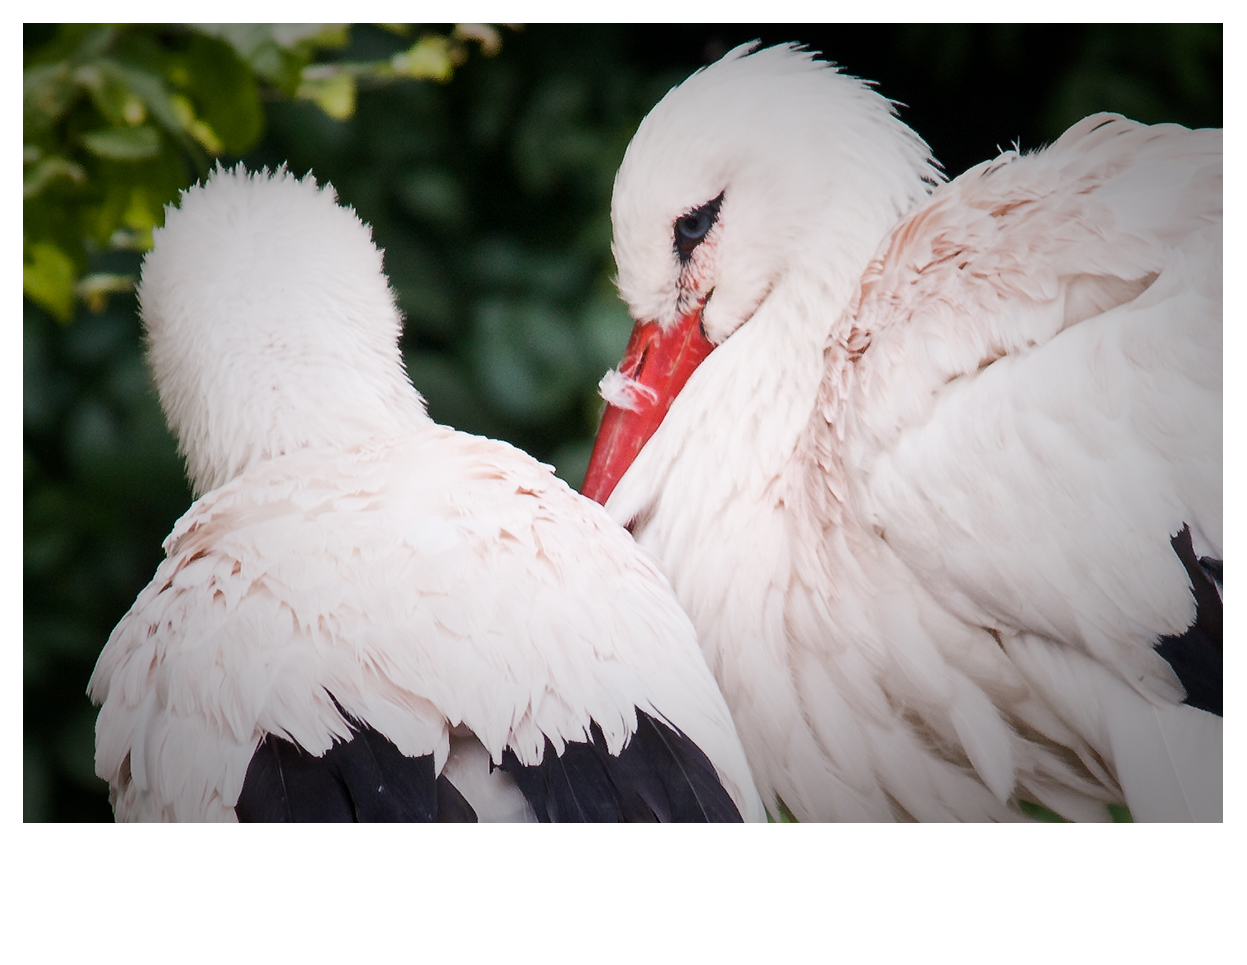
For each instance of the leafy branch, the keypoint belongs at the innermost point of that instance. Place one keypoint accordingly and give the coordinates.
(117, 119)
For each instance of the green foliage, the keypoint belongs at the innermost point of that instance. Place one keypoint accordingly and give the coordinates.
(1037, 812)
(102, 485)
(1119, 814)
(118, 118)
(489, 194)
(110, 117)
(1150, 72)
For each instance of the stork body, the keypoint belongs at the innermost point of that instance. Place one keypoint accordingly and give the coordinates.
(944, 497)
(366, 616)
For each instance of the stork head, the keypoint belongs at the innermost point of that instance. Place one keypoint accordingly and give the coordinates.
(270, 325)
(763, 165)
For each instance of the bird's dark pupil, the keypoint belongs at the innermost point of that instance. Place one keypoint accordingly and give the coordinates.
(692, 228)
(695, 225)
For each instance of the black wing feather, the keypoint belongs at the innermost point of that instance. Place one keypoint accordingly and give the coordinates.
(660, 775)
(1196, 656)
(385, 784)
(640, 789)
(582, 790)
(691, 779)
(285, 783)
(364, 779)
(573, 787)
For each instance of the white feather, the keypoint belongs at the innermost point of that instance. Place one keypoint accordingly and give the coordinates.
(622, 392)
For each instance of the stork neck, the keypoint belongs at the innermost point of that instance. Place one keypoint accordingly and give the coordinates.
(733, 429)
(772, 367)
(234, 409)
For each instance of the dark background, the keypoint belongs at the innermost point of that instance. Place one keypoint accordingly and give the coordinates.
(490, 196)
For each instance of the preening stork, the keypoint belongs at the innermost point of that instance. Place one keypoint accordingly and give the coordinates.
(935, 469)
(364, 615)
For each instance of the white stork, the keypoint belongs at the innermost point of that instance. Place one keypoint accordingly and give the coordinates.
(364, 615)
(936, 473)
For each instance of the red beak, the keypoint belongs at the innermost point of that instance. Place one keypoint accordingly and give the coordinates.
(657, 364)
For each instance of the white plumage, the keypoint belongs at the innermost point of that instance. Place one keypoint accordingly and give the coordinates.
(919, 499)
(348, 557)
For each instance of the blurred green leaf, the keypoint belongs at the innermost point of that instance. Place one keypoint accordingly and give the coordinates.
(123, 143)
(110, 92)
(334, 94)
(45, 170)
(195, 126)
(152, 91)
(47, 93)
(484, 34)
(226, 94)
(432, 57)
(48, 279)
(279, 52)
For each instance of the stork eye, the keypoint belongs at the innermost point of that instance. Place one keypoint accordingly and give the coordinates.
(692, 228)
